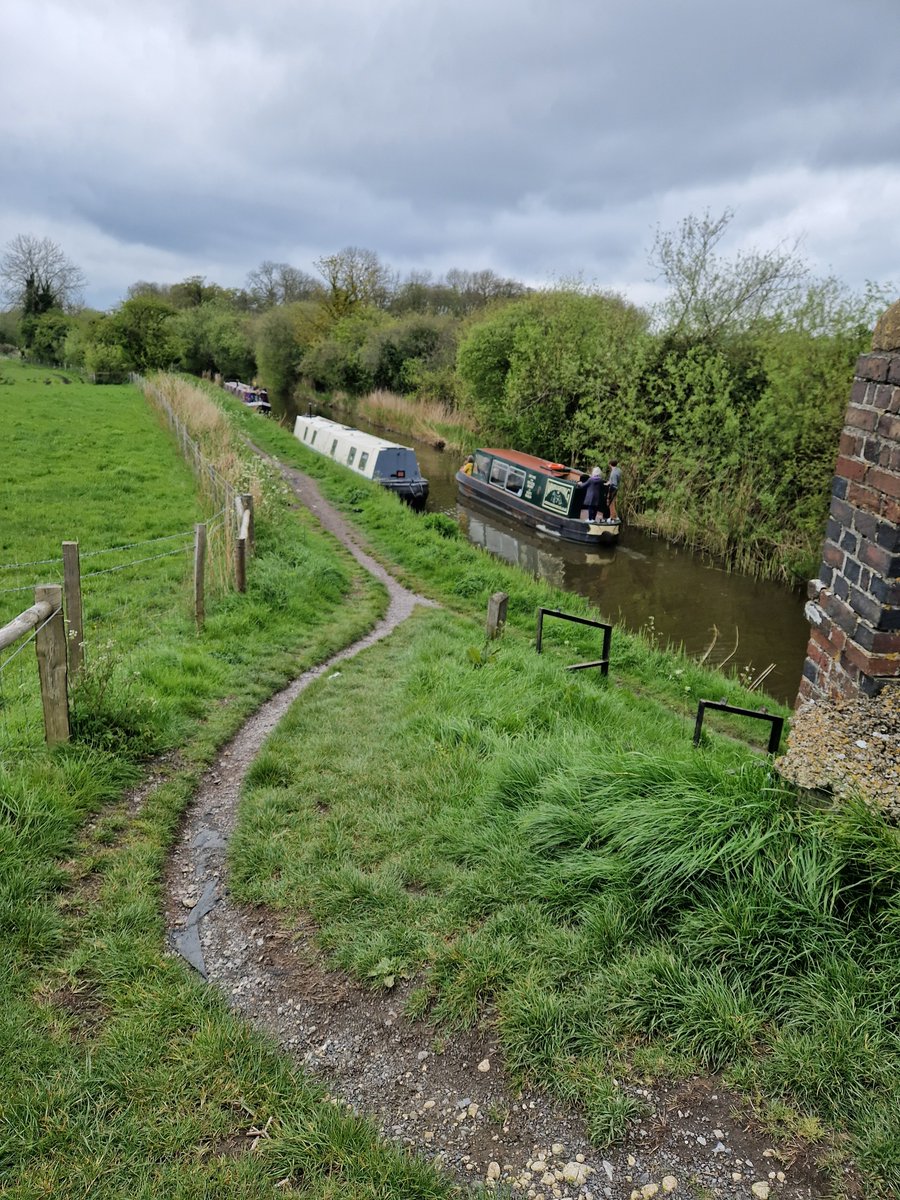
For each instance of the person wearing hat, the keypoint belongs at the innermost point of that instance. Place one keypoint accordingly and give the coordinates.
(469, 465)
(595, 494)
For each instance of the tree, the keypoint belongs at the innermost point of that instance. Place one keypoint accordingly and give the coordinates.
(212, 337)
(352, 277)
(398, 353)
(275, 283)
(142, 329)
(47, 336)
(36, 276)
(539, 371)
(710, 295)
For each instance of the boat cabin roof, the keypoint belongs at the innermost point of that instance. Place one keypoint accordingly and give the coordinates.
(532, 463)
(365, 441)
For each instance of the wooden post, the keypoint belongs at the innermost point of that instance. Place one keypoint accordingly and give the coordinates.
(50, 644)
(240, 549)
(74, 614)
(240, 564)
(247, 506)
(199, 574)
(496, 617)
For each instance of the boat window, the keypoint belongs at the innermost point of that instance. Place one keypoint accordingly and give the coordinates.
(351, 456)
(312, 440)
(482, 465)
(305, 432)
(498, 473)
(333, 447)
(363, 459)
(514, 481)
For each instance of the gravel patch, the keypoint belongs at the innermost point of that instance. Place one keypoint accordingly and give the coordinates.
(447, 1098)
(848, 746)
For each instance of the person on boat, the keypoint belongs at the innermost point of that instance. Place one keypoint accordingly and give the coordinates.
(612, 487)
(595, 494)
(469, 465)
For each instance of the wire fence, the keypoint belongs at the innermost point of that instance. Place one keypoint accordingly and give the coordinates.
(229, 532)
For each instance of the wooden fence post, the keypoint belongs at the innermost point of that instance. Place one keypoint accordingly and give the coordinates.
(199, 574)
(496, 617)
(74, 614)
(50, 645)
(240, 549)
(247, 504)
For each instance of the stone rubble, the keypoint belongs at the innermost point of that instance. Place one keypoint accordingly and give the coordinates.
(847, 746)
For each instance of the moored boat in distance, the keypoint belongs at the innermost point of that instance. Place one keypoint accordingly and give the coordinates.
(542, 495)
(256, 398)
(394, 467)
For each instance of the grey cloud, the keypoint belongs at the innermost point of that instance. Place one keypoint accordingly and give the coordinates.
(521, 132)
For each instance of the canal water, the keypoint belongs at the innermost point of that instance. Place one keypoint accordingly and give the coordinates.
(678, 595)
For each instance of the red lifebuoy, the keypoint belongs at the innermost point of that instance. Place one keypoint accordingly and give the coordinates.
(557, 467)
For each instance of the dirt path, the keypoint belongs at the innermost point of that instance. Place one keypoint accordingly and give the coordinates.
(447, 1098)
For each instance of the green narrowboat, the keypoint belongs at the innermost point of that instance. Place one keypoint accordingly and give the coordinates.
(542, 495)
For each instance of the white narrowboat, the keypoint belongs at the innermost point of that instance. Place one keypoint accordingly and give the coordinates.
(394, 467)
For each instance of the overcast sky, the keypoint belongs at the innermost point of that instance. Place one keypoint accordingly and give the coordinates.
(541, 138)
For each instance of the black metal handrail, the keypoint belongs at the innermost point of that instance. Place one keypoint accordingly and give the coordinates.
(776, 722)
(602, 663)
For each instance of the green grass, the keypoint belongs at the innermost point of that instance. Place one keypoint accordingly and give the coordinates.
(551, 850)
(541, 849)
(119, 1073)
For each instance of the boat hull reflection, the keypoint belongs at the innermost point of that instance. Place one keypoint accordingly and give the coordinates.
(539, 556)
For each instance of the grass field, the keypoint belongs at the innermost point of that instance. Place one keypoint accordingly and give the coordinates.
(549, 850)
(119, 1074)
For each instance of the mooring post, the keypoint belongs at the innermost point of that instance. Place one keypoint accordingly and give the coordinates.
(50, 645)
(496, 616)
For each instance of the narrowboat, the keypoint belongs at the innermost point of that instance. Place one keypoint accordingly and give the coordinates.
(256, 398)
(394, 467)
(542, 495)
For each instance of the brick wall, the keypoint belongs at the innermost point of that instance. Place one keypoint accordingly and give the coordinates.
(854, 604)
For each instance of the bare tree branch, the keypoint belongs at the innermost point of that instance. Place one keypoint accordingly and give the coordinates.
(39, 264)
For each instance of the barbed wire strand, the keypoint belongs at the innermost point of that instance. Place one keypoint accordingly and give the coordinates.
(131, 545)
(41, 562)
(27, 587)
(137, 561)
(38, 562)
(30, 638)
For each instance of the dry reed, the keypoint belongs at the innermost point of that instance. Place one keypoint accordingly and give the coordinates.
(221, 449)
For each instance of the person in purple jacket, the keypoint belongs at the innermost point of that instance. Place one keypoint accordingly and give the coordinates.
(595, 494)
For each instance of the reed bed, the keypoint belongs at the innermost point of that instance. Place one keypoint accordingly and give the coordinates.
(426, 421)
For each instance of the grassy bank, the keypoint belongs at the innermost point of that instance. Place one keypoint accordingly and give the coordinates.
(119, 1073)
(548, 851)
(550, 854)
